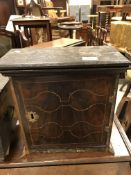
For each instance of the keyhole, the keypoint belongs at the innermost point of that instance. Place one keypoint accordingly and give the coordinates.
(32, 116)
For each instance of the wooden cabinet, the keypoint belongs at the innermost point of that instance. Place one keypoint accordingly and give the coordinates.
(62, 100)
(65, 96)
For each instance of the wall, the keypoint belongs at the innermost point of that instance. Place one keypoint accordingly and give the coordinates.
(80, 2)
(80, 8)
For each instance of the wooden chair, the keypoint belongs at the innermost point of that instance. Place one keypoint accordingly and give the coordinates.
(86, 33)
(37, 35)
(93, 37)
(127, 82)
(54, 13)
(50, 10)
(127, 79)
(33, 9)
(10, 40)
(100, 36)
(104, 20)
(124, 107)
(123, 113)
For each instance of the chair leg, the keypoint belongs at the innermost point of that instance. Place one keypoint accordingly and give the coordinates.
(122, 86)
(127, 90)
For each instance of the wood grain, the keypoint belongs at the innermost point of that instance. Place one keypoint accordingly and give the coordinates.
(92, 169)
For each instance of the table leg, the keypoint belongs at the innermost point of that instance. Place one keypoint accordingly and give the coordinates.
(28, 34)
(49, 33)
(71, 33)
(99, 18)
(14, 26)
(58, 12)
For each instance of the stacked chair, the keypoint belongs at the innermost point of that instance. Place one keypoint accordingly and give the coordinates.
(9, 40)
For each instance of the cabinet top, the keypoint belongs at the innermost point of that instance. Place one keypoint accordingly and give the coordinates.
(69, 57)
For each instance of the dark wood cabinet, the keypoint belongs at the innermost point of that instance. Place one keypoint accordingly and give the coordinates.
(59, 102)
(65, 96)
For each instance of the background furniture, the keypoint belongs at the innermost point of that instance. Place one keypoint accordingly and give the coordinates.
(93, 20)
(57, 16)
(123, 113)
(106, 12)
(34, 22)
(62, 42)
(45, 8)
(9, 40)
(58, 3)
(53, 11)
(86, 33)
(92, 37)
(120, 34)
(70, 26)
(101, 36)
(33, 9)
(127, 82)
(37, 34)
(120, 38)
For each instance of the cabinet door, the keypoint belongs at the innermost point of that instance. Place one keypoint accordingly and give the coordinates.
(66, 112)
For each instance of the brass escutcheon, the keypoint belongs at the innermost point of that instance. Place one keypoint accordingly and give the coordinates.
(32, 116)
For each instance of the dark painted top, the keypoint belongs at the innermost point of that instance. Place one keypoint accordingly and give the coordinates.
(70, 57)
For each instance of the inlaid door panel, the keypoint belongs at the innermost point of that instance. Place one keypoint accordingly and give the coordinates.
(66, 112)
